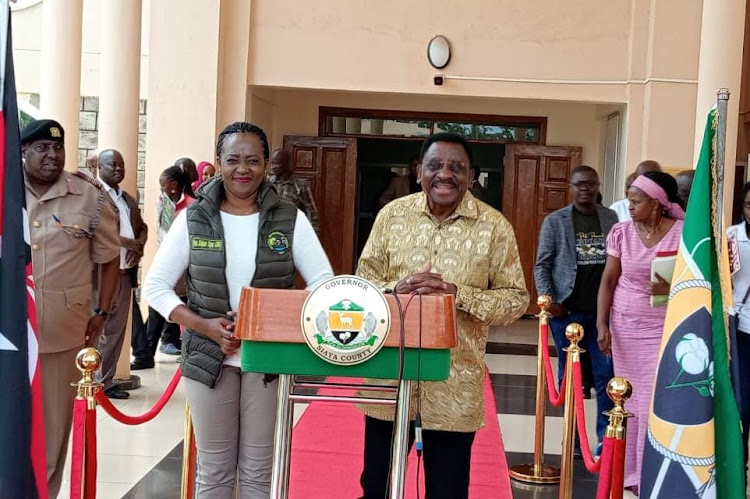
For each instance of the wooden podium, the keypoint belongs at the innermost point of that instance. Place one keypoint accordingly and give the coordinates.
(269, 324)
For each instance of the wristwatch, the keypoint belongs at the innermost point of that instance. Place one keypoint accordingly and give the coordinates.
(103, 313)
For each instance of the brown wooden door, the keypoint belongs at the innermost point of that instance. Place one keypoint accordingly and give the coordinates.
(535, 183)
(329, 164)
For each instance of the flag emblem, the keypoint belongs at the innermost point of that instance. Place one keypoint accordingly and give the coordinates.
(693, 447)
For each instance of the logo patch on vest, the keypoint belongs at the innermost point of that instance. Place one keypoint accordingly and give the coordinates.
(278, 242)
(202, 243)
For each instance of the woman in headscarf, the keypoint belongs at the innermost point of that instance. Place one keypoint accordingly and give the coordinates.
(630, 328)
(205, 172)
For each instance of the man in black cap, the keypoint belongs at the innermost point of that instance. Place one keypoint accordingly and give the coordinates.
(72, 227)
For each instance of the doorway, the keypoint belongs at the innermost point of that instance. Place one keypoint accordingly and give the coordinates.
(358, 152)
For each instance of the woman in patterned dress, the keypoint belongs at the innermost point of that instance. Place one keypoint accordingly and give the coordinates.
(630, 329)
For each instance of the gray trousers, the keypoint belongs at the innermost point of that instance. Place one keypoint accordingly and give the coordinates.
(113, 336)
(234, 428)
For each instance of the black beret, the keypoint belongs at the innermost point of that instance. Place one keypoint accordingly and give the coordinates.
(42, 130)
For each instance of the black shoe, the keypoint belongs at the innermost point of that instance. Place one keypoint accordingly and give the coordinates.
(114, 393)
(139, 364)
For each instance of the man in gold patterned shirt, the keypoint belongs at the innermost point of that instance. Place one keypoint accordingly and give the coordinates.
(443, 240)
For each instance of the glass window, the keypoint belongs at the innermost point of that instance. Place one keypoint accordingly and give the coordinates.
(393, 127)
(465, 130)
(494, 132)
(416, 127)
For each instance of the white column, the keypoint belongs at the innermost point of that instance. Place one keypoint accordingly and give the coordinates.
(722, 36)
(119, 89)
(182, 91)
(232, 93)
(60, 89)
(119, 83)
(197, 83)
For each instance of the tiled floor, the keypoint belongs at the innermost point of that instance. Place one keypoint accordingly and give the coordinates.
(145, 462)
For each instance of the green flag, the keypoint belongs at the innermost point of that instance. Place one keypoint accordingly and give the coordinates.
(694, 443)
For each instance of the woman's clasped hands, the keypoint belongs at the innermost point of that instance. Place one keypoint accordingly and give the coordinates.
(221, 330)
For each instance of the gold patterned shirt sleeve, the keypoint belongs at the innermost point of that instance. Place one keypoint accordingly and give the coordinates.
(506, 298)
(373, 263)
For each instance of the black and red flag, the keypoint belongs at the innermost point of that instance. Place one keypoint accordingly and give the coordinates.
(23, 465)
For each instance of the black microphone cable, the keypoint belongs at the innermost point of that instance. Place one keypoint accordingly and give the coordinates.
(401, 363)
(401, 353)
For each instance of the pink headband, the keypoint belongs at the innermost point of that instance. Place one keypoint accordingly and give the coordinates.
(654, 191)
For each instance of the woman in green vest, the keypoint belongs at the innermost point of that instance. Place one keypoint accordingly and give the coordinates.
(237, 233)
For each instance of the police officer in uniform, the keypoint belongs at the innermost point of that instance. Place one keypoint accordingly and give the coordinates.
(72, 227)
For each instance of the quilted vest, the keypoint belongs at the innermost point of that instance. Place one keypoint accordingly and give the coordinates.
(207, 291)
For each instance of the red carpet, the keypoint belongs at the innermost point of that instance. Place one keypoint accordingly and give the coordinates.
(327, 455)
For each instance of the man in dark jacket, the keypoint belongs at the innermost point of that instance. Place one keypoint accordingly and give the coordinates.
(569, 266)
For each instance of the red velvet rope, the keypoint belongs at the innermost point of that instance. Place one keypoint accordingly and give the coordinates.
(618, 469)
(113, 411)
(555, 398)
(76, 461)
(605, 475)
(83, 459)
(592, 464)
(91, 458)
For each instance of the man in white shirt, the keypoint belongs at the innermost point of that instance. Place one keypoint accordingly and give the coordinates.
(622, 207)
(133, 234)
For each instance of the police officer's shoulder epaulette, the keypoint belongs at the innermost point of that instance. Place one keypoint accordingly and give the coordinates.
(91, 180)
(94, 221)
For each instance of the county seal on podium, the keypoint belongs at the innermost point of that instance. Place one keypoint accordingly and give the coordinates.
(345, 320)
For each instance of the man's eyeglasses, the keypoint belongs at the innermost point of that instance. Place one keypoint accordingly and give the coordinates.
(584, 185)
(456, 167)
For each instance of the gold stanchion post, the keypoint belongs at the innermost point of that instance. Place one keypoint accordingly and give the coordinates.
(619, 390)
(88, 361)
(574, 333)
(188, 458)
(538, 472)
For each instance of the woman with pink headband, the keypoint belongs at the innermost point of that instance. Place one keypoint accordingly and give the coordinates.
(630, 329)
(205, 172)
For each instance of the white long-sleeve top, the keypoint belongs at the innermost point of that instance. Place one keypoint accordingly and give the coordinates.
(172, 259)
(741, 279)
